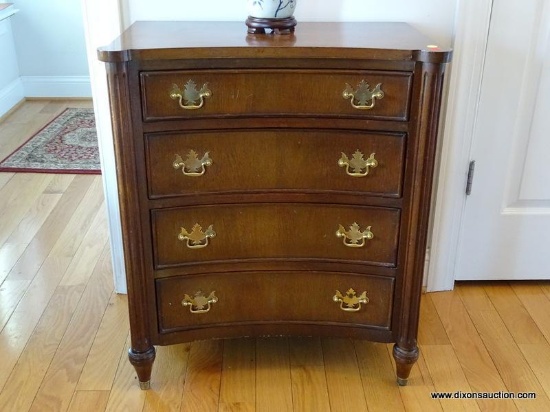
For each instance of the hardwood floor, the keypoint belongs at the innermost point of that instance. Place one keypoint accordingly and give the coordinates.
(64, 332)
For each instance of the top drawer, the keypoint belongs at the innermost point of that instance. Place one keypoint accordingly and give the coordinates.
(229, 93)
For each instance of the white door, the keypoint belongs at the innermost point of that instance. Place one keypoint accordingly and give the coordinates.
(506, 225)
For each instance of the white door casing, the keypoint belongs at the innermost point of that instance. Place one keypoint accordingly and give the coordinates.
(503, 235)
(470, 38)
(469, 45)
(506, 226)
(102, 24)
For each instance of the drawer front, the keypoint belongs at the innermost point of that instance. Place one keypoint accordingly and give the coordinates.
(267, 297)
(304, 160)
(274, 92)
(275, 231)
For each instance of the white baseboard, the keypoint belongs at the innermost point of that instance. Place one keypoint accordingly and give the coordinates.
(10, 95)
(57, 86)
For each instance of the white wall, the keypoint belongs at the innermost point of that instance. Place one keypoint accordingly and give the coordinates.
(11, 89)
(51, 48)
(435, 18)
(9, 70)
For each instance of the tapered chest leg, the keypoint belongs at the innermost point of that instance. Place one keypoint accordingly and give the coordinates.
(404, 361)
(143, 364)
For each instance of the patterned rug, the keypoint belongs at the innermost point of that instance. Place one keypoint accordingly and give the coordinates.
(68, 144)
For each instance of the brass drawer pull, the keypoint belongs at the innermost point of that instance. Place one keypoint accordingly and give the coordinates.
(192, 98)
(354, 237)
(197, 238)
(192, 165)
(363, 95)
(199, 303)
(350, 302)
(359, 166)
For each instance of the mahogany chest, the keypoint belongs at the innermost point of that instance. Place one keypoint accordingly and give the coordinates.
(274, 184)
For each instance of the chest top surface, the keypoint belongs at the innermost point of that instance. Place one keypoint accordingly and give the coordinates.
(149, 40)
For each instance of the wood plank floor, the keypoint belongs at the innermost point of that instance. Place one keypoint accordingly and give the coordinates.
(64, 332)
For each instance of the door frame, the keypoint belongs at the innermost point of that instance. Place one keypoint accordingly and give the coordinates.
(103, 22)
(473, 18)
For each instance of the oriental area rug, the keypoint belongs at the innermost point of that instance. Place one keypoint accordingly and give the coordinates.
(68, 144)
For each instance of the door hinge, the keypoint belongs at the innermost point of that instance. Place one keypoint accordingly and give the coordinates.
(470, 178)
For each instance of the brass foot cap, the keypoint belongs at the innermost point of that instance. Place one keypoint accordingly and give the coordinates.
(402, 382)
(145, 385)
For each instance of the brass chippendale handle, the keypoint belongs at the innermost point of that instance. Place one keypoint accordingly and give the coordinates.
(190, 98)
(197, 239)
(350, 302)
(363, 95)
(192, 165)
(359, 166)
(354, 237)
(199, 303)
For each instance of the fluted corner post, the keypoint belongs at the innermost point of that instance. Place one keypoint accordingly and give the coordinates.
(429, 75)
(142, 352)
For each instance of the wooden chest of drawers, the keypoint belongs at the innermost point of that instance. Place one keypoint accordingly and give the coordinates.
(274, 184)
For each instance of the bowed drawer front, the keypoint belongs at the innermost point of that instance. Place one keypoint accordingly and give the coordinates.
(227, 93)
(274, 185)
(267, 297)
(275, 231)
(187, 163)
